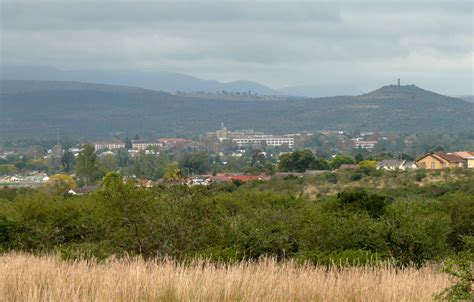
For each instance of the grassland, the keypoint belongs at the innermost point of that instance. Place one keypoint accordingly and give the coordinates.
(25, 277)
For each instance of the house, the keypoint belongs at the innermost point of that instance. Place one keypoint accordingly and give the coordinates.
(468, 157)
(440, 160)
(396, 164)
(82, 190)
(199, 181)
(470, 162)
(464, 154)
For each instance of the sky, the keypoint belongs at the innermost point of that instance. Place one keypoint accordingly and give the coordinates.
(363, 44)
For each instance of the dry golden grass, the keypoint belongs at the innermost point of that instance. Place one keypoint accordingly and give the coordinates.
(29, 278)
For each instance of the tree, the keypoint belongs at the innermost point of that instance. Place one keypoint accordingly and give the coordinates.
(368, 164)
(108, 163)
(300, 161)
(195, 162)
(359, 157)
(341, 159)
(59, 184)
(37, 164)
(7, 169)
(56, 157)
(150, 166)
(87, 166)
(173, 173)
(257, 159)
(67, 161)
(128, 143)
(319, 164)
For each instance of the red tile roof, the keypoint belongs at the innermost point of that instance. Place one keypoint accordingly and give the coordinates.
(464, 154)
(450, 157)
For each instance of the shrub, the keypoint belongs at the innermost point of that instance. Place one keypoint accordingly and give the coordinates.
(360, 199)
(420, 175)
(356, 176)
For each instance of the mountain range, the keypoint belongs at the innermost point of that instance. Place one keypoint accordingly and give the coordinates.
(165, 81)
(36, 109)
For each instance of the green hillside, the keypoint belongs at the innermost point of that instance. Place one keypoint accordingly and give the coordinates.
(79, 110)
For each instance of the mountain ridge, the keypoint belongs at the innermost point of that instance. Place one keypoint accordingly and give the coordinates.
(90, 111)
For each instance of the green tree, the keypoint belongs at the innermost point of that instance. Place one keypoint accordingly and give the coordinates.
(173, 173)
(37, 164)
(123, 158)
(150, 166)
(67, 161)
(341, 159)
(297, 161)
(7, 169)
(128, 143)
(59, 184)
(87, 165)
(194, 163)
(108, 163)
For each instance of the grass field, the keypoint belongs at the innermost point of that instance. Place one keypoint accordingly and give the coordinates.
(30, 278)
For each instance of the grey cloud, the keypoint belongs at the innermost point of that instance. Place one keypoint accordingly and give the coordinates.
(277, 43)
(75, 14)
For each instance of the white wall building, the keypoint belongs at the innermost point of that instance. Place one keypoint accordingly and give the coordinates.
(269, 140)
(111, 145)
(143, 145)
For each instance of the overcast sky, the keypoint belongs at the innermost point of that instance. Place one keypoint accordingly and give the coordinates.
(364, 44)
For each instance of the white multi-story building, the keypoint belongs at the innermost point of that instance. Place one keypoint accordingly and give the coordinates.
(111, 145)
(143, 145)
(363, 144)
(269, 140)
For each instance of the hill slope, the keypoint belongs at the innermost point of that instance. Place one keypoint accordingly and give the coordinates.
(95, 111)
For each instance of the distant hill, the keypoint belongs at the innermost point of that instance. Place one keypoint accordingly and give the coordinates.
(467, 98)
(166, 81)
(316, 91)
(80, 110)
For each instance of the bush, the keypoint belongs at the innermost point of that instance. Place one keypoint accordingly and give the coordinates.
(360, 199)
(420, 175)
(356, 176)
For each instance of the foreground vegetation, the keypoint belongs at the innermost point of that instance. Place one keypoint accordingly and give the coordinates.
(29, 278)
(319, 219)
(351, 235)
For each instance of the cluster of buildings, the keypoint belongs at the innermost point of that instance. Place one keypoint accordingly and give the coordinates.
(442, 160)
(432, 161)
(366, 140)
(243, 138)
(224, 177)
(141, 145)
(31, 180)
(114, 145)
